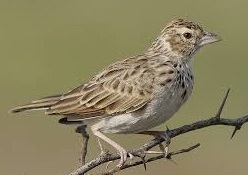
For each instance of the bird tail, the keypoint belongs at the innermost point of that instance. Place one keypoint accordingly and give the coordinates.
(40, 104)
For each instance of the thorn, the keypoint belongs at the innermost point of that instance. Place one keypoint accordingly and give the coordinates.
(168, 131)
(222, 105)
(144, 161)
(235, 130)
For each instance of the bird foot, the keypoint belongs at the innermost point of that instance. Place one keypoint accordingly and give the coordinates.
(123, 154)
(164, 150)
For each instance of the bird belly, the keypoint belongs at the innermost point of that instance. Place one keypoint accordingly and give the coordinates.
(159, 110)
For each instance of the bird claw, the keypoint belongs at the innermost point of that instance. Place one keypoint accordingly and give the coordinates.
(130, 156)
(123, 154)
(163, 149)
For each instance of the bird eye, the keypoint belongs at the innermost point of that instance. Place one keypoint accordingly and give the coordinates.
(187, 35)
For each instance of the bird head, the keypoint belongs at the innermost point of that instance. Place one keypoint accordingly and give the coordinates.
(182, 38)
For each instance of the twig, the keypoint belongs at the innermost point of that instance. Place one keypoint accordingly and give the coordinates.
(169, 156)
(82, 130)
(216, 120)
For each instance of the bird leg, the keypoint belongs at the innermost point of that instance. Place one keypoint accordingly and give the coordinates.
(101, 147)
(122, 152)
(158, 135)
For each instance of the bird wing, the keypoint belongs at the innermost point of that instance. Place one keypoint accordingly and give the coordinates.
(122, 88)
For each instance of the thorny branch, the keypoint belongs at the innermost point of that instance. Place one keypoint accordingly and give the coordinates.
(139, 152)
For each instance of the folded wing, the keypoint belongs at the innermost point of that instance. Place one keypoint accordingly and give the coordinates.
(119, 89)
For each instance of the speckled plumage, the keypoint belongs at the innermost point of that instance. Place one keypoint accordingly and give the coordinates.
(138, 93)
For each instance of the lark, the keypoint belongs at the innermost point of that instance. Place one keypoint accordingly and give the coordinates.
(138, 93)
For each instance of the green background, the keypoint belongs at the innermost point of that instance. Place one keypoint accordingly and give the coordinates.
(50, 46)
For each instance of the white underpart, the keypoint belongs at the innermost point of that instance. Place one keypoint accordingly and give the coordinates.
(159, 110)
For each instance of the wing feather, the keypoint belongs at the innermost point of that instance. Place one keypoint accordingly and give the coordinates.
(122, 88)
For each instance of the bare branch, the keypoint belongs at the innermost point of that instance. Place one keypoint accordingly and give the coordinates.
(169, 156)
(82, 130)
(139, 152)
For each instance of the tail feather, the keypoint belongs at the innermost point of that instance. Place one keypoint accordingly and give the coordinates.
(43, 103)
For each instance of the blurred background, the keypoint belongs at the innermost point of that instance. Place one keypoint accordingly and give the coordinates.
(50, 46)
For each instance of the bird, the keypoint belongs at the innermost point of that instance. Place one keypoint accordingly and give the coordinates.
(136, 94)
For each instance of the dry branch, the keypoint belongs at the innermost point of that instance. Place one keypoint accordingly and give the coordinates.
(216, 120)
(82, 130)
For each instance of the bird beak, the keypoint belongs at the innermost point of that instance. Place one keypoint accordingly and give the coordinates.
(209, 38)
